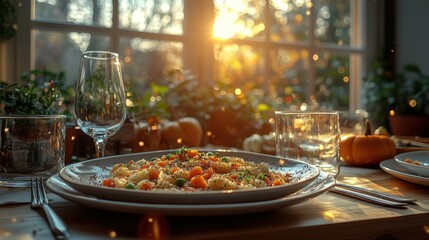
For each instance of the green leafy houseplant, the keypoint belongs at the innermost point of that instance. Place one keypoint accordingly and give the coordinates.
(227, 117)
(32, 123)
(39, 92)
(7, 19)
(388, 94)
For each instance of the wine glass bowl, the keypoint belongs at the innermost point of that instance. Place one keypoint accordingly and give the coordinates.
(100, 107)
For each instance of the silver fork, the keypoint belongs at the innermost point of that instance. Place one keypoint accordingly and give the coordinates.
(39, 199)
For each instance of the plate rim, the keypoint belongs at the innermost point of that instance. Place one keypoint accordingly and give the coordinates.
(401, 155)
(194, 197)
(324, 186)
(416, 169)
(409, 177)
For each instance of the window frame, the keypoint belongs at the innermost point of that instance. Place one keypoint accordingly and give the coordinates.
(197, 39)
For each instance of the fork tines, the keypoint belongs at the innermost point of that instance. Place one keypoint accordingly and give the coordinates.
(39, 199)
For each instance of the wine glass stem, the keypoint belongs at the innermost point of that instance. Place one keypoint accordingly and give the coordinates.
(100, 144)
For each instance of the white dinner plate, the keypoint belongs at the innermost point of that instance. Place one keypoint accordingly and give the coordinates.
(420, 156)
(320, 185)
(86, 177)
(393, 168)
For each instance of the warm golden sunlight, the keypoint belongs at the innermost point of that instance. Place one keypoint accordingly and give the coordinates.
(223, 28)
(230, 22)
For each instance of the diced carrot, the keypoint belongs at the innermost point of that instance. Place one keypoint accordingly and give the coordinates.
(162, 163)
(204, 163)
(146, 186)
(234, 176)
(153, 174)
(198, 182)
(208, 173)
(109, 182)
(213, 159)
(174, 169)
(197, 170)
(235, 166)
(144, 166)
(276, 182)
(268, 181)
(192, 153)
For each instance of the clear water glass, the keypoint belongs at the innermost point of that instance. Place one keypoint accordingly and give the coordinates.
(311, 137)
(30, 146)
(100, 107)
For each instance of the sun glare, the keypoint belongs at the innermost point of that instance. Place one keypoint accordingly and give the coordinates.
(223, 28)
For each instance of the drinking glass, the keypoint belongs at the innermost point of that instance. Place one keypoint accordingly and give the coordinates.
(30, 146)
(100, 108)
(311, 137)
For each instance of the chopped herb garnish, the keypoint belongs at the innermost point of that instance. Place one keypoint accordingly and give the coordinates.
(247, 179)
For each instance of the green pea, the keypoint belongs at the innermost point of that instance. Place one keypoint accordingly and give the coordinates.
(180, 182)
(130, 186)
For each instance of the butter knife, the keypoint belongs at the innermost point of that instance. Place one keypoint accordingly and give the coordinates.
(383, 195)
(368, 198)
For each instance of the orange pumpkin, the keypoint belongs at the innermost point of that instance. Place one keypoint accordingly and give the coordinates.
(367, 149)
(185, 131)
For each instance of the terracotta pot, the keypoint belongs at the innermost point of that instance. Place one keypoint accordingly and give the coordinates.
(411, 125)
(225, 129)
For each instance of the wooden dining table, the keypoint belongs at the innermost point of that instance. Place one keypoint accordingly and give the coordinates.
(327, 216)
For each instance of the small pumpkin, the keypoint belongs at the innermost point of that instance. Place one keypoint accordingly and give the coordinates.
(366, 149)
(260, 144)
(186, 131)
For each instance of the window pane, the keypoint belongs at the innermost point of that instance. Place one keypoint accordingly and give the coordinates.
(333, 22)
(58, 51)
(239, 66)
(143, 58)
(83, 12)
(290, 20)
(154, 16)
(333, 81)
(290, 77)
(239, 19)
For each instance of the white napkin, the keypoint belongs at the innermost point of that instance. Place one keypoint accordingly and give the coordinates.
(14, 196)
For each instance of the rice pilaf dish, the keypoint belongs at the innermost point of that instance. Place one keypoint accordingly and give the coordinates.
(189, 170)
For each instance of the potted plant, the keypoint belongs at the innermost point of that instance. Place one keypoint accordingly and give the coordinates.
(33, 123)
(227, 118)
(400, 102)
(38, 92)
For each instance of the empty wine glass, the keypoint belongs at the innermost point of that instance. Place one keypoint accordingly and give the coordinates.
(100, 108)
